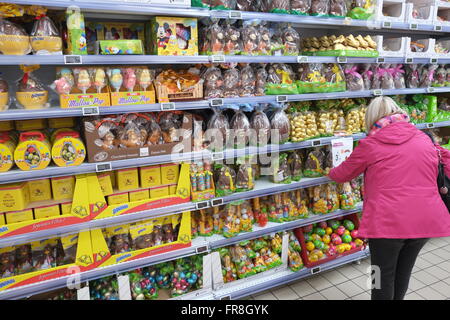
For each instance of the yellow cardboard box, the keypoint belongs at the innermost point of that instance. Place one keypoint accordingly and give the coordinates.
(105, 183)
(33, 124)
(19, 216)
(2, 219)
(169, 173)
(46, 211)
(150, 176)
(127, 179)
(63, 187)
(14, 197)
(40, 190)
(118, 198)
(58, 123)
(159, 192)
(139, 195)
(66, 208)
(172, 189)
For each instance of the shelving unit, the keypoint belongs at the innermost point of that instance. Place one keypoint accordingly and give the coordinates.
(401, 27)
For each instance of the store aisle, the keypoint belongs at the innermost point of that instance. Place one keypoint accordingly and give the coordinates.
(430, 280)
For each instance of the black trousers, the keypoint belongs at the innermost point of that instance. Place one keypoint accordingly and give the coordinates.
(395, 259)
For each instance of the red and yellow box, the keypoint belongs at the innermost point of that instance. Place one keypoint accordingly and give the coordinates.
(159, 192)
(2, 219)
(106, 183)
(66, 207)
(118, 198)
(46, 211)
(19, 216)
(127, 179)
(150, 176)
(40, 190)
(169, 173)
(139, 195)
(63, 188)
(14, 197)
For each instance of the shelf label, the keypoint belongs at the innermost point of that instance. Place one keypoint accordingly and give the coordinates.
(430, 89)
(302, 59)
(282, 98)
(201, 249)
(380, 60)
(216, 156)
(90, 111)
(216, 102)
(413, 26)
(387, 24)
(83, 293)
(216, 202)
(409, 60)
(433, 60)
(235, 15)
(377, 92)
(342, 59)
(341, 149)
(430, 125)
(73, 59)
(101, 167)
(315, 143)
(347, 21)
(437, 28)
(123, 282)
(315, 270)
(167, 106)
(143, 152)
(201, 205)
(219, 58)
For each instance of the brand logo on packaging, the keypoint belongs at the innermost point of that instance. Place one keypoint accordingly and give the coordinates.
(123, 257)
(3, 229)
(118, 209)
(8, 282)
(133, 99)
(37, 95)
(82, 102)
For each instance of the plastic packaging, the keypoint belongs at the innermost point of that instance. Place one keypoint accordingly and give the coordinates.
(353, 78)
(45, 38)
(213, 83)
(248, 81)
(222, 4)
(280, 80)
(264, 45)
(277, 6)
(245, 179)
(261, 79)
(412, 77)
(224, 180)
(250, 39)
(300, 7)
(240, 129)
(319, 7)
(319, 200)
(231, 83)
(260, 123)
(13, 39)
(338, 8)
(281, 170)
(233, 44)
(398, 75)
(218, 130)
(280, 123)
(295, 165)
(346, 196)
(215, 39)
(313, 164)
(291, 41)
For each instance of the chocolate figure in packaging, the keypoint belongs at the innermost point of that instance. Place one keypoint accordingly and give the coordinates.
(131, 136)
(216, 39)
(398, 76)
(261, 79)
(313, 164)
(248, 80)
(218, 130)
(387, 80)
(43, 254)
(23, 258)
(440, 76)
(300, 7)
(260, 123)
(231, 83)
(280, 125)
(291, 41)
(240, 127)
(244, 175)
(224, 179)
(245, 5)
(250, 39)
(264, 46)
(7, 262)
(154, 134)
(353, 78)
(277, 6)
(367, 75)
(427, 75)
(281, 170)
(412, 77)
(338, 8)
(319, 7)
(295, 165)
(233, 44)
(169, 123)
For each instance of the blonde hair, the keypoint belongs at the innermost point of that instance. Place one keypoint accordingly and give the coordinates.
(381, 107)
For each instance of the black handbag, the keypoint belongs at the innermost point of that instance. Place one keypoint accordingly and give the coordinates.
(443, 181)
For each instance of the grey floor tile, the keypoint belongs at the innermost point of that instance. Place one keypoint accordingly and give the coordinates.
(413, 296)
(415, 284)
(441, 252)
(425, 277)
(362, 282)
(443, 288)
(444, 265)
(362, 296)
(302, 288)
(432, 258)
(285, 293)
(429, 246)
(333, 293)
(439, 273)
(319, 283)
(415, 269)
(315, 296)
(267, 295)
(334, 276)
(439, 242)
(350, 288)
(422, 263)
(350, 272)
(430, 294)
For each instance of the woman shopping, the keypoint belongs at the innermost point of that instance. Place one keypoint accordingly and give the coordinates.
(402, 206)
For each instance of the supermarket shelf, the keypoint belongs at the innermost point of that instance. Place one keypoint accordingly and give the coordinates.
(45, 286)
(56, 112)
(74, 228)
(217, 241)
(267, 280)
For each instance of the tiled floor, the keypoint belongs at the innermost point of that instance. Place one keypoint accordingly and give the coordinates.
(430, 280)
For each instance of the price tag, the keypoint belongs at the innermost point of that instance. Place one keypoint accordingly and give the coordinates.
(315, 143)
(72, 59)
(216, 102)
(216, 202)
(201, 249)
(216, 156)
(430, 125)
(167, 106)
(90, 111)
(302, 59)
(413, 26)
(219, 58)
(105, 166)
(235, 15)
(342, 59)
(123, 283)
(143, 152)
(433, 60)
(377, 92)
(83, 293)
(437, 28)
(347, 21)
(341, 150)
(387, 24)
(380, 60)
(282, 98)
(409, 60)
(201, 205)
(430, 89)
(315, 270)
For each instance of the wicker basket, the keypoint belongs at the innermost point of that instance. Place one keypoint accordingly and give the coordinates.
(15, 45)
(163, 94)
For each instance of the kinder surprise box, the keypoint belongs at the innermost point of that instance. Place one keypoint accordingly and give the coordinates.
(97, 153)
(174, 36)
